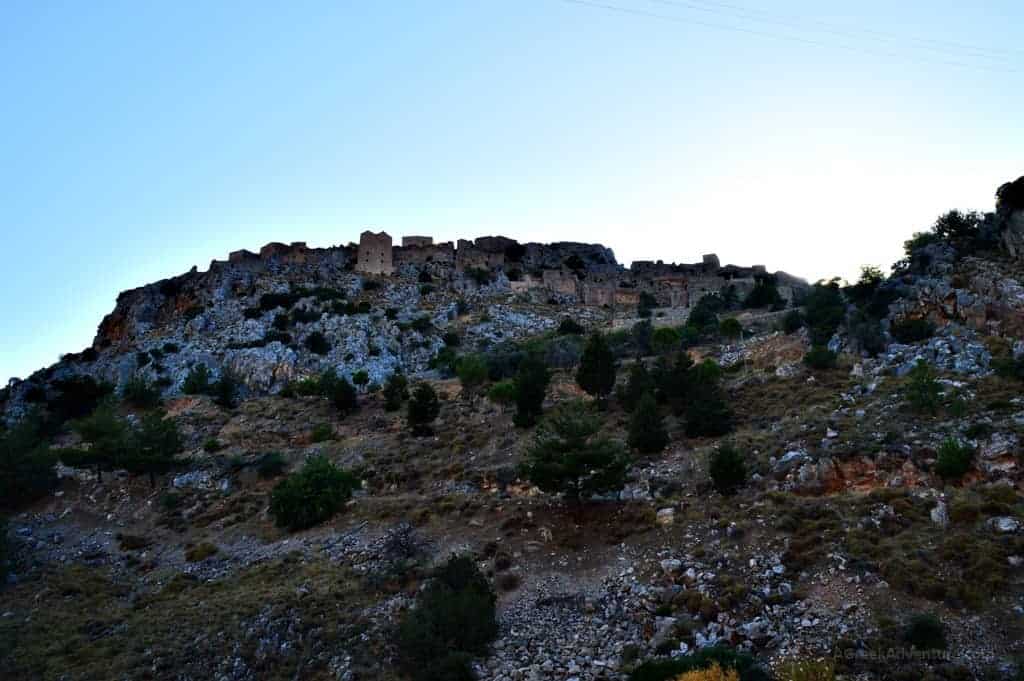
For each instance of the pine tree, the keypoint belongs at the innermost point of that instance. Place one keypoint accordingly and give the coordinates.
(531, 385)
(727, 470)
(154, 446)
(639, 382)
(597, 369)
(646, 427)
(568, 457)
(423, 409)
(396, 391)
(472, 373)
(339, 391)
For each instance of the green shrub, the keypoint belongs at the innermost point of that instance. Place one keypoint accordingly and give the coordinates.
(211, 445)
(1008, 367)
(730, 328)
(422, 324)
(339, 391)
(646, 427)
(502, 392)
(304, 315)
(322, 433)
(271, 465)
(312, 495)
(472, 373)
(727, 469)
(454, 619)
(923, 389)
(820, 358)
(396, 391)
(317, 343)
(726, 658)
(925, 632)
(138, 392)
(954, 459)
(912, 330)
(200, 552)
(451, 339)
(225, 390)
(361, 378)
(665, 339)
(792, 322)
(444, 361)
(197, 382)
(806, 670)
(568, 457)
(570, 327)
(423, 409)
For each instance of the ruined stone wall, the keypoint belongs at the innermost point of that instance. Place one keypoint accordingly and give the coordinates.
(469, 256)
(408, 241)
(443, 253)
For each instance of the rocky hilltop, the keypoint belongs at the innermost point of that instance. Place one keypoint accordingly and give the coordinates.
(290, 311)
(523, 462)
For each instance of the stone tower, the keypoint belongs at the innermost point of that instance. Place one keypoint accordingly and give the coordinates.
(374, 256)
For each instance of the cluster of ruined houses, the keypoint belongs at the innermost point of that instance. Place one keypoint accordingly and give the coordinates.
(584, 272)
(595, 279)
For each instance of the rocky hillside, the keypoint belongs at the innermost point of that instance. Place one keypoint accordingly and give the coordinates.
(640, 471)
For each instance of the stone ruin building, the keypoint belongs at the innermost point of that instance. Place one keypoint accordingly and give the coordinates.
(566, 272)
(374, 254)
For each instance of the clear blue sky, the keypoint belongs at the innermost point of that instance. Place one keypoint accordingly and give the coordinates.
(139, 139)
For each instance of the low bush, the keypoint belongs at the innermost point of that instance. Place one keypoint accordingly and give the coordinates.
(727, 469)
(806, 670)
(726, 658)
(502, 392)
(925, 632)
(923, 389)
(570, 327)
(322, 433)
(197, 382)
(317, 343)
(792, 322)
(200, 552)
(271, 465)
(138, 392)
(820, 358)
(454, 619)
(730, 328)
(912, 330)
(954, 459)
(312, 495)
(339, 391)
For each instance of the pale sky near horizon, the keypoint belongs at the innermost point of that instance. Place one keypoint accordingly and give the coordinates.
(140, 139)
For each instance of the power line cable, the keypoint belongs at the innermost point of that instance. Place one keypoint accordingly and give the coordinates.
(942, 46)
(776, 36)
